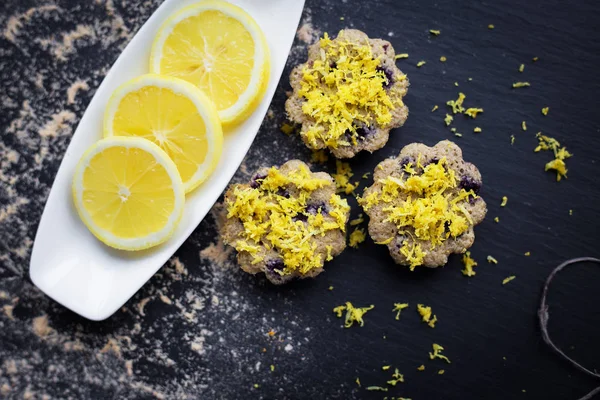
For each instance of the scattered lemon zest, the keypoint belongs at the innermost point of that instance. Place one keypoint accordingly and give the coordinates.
(401, 55)
(435, 32)
(469, 79)
(456, 84)
(521, 67)
(497, 219)
(356, 237)
(527, 253)
(508, 279)
(330, 288)
(421, 368)
(512, 139)
(457, 105)
(353, 314)
(448, 120)
(434, 108)
(534, 59)
(256, 385)
(469, 264)
(437, 353)
(560, 155)
(386, 241)
(570, 212)
(443, 58)
(358, 220)
(472, 112)
(386, 367)
(344, 90)
(272, 367)
(452, 130)
(492, 260)
(342, 18)
(545, 110)
(458, 134)
(319, 156)
(398, 307)
(329, 248)
(441, 372)
(524, 125)
(491, 26)
(477, 129)
(342, 177)
(357, 382)
(286, 128)
(267, 218)
(421, 63)
(427, 315)
(377, 388)
(396, 377)
(504, 201)
(520, 84)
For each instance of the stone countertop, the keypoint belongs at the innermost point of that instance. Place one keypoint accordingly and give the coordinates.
(200, 328)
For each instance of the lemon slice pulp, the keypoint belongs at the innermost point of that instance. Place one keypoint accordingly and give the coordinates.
(219, 48)
(128, 193)
(173, 114)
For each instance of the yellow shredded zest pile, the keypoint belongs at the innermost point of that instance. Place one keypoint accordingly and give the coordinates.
(319, 156)
(524, 125)
(504, 201)
(545, 110)
(472, 112)
(434, 32)
(353, 314)
(469, 264)
(421, 63)
(437, 353)
(547, 143)
(342, 175)
(520, 84)
(421, 368)
(396, 377)
(267, 215)
(457, 105)
(398, 307)
(401, 55)
(492, 260)
(344, 91)
(508, 279)
(433, 207)
(427, 315)
(356, 237)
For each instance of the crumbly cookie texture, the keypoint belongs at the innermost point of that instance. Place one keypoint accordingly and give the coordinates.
(424, 204)
(348, 95)
(286, 222)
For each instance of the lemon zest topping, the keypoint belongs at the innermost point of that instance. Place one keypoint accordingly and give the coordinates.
(434, 108)
(353, 314)
(441, 372)
(396, 377)
(435, 32)
(560, 155)
(319, 156)
(457, 105)
(386, 241)
(401, 55)
(287, 128)
(443, 58)
(524, 125)
(448, 120)
(357, 221)
(342, 177)
(472, 112)
(386, 367)
(508, 279)
(545, 110)
(398, 307)
(469, 264)
(329, 257)
(356, 237)
(520, 84)
(492, 260)
(344, 90)
(433, 213)
(268, 218)
(426, 315)
(437, 353)
(504, 201)
(421, 63)
(477, 129)
(377, 388)
(521, 67)
(496, 219)
(421, 368)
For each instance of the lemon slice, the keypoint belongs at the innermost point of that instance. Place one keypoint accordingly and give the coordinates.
(219, 48)
(175, 115)
(128, 193)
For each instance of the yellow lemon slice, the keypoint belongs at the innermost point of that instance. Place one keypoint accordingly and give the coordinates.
(176, 116)
(128, 193)
(219, 48)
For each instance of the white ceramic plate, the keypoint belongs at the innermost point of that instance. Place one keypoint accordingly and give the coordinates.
(67, 262)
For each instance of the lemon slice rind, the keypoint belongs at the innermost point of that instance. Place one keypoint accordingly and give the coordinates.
(107, 237)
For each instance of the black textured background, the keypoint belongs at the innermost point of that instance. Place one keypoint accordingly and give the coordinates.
(199, 328)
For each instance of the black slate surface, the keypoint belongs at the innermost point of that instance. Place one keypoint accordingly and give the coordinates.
(199, 328)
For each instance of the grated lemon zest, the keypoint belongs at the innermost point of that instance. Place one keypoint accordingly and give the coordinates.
(458, 134)
(527, 253)
(497, 219)
(401, 55)
(524, 125)
(477, 129)
(357, 221)
(421, 368)
(492, 260)
(353, 314)
(329, 257)
(287, 128)
(443, 58)
(398, 307)
(319, 156)
(267, 218)
(358, 382)
(508, 279)
(504, 201)
(437, 353)
(434, 108)
(491, 26)
(421, 63)
(427, 315)
(520, 84)
(396, 377)
(356, 237)
(534, 59)
(560, 155)
(457, 105)
(472, 112)
(386, 367)
(521, 67)
(545, 110)
(342, 177)
(448, 120)
(469, 264)
(435, 32)
(456, 84)
(345, 90)
(512, 139)
(386, 241)
(441, 372)
(377, 388)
